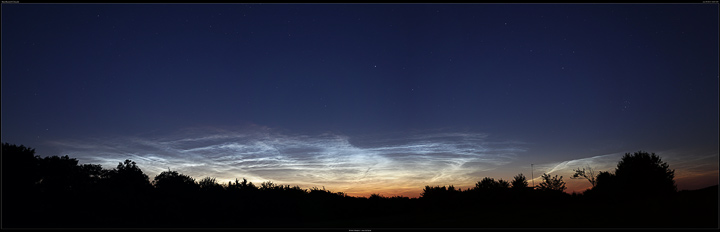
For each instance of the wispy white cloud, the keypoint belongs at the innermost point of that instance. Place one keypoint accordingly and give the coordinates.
(605, 162)
(307, 160)
(600, 162)
(686, 165)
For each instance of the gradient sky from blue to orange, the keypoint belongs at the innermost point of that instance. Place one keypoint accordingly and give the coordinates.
(365, 98)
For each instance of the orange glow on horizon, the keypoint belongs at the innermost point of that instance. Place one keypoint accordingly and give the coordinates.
(689, 182)
(685, 180)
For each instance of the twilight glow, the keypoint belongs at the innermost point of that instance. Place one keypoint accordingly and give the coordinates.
(392, 166)
(365, 98)
(400, 165)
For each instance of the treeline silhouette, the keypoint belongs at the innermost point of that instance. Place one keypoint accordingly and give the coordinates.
(57, 192)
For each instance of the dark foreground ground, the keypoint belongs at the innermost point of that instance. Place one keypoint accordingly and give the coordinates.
(323, 209)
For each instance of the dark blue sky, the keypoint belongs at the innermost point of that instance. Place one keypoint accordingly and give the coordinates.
(561, 82)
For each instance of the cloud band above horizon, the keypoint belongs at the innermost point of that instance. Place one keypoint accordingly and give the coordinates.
(347, 164)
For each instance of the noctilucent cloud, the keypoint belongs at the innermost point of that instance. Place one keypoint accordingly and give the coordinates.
(365, 98)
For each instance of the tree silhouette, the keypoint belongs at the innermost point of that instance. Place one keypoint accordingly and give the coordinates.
(93, 173)
(58, 173)
(605, 180)
(67, 193)
(519, 182)
(127, 178)
(19, 166)
(376, 197)
(174, 182)
(585, 173)
(269, 185)
(488, 183)
(605, 185)
(434, 192)
(208, 184)
(503, 184)
(20, 173)
(243, 187)
(552, 183)
(643, 174)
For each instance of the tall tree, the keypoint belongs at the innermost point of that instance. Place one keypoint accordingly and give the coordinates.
(644, 174)
(605, 184)
(20, 167)
(127, 178)
(519, 182)
(585, 173)
(59, 173)
(552, 183)
(174, 182)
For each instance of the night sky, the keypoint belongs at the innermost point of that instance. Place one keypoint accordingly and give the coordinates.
(365, 98)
